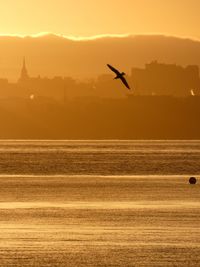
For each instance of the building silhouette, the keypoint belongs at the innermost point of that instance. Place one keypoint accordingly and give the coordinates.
(24, 73)
(166, 79)
(155, 79)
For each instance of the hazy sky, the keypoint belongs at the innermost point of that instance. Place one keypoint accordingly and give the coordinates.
(94, 17)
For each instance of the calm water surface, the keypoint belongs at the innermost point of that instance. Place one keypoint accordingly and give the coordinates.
(99, 203)
(99, 157)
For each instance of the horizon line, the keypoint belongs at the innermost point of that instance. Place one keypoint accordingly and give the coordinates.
(95, 37)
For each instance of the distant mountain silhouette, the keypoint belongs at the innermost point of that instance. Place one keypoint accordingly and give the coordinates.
(52, 55)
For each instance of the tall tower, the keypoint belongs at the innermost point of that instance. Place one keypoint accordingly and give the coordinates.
(24, 73)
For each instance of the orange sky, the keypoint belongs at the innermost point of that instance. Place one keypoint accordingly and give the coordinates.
(94, 17)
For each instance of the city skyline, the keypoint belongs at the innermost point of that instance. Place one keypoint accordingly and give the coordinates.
(156, 78)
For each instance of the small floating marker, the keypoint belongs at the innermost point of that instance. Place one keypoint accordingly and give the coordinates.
(192, 180)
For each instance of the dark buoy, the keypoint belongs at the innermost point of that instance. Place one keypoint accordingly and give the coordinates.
(192, 180)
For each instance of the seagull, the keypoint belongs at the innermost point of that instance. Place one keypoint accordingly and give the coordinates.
(120, 75)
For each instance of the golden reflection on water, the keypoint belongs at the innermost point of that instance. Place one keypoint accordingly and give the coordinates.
(95, 221)
(102, 205)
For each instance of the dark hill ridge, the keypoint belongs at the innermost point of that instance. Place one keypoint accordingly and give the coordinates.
(51, 55)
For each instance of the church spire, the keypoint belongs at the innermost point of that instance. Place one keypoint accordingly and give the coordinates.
(24, 73)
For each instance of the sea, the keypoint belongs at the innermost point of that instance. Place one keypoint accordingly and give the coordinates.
(80, 203)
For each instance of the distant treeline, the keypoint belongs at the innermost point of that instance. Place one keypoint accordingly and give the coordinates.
(134, 117)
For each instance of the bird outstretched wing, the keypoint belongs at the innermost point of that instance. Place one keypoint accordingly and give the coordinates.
(125, 82)
(113, 69)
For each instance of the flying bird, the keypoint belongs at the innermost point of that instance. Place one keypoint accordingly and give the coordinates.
(120, 75)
